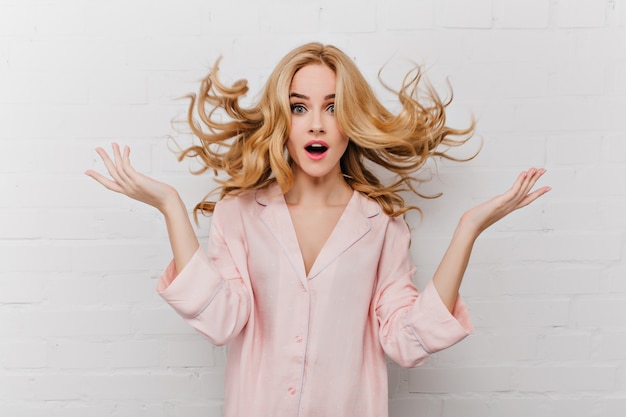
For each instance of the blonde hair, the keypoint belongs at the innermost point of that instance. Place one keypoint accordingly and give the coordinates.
(249, 147)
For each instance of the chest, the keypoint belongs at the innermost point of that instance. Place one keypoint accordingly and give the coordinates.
(313, 227)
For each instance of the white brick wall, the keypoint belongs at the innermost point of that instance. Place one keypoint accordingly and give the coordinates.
(81, 329)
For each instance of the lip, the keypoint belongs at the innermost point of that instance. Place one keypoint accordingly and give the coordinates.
(316, 156)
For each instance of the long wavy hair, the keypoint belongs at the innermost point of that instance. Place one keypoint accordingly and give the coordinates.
(248, 144)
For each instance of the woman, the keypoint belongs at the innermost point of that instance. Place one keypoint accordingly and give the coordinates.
(308, 276)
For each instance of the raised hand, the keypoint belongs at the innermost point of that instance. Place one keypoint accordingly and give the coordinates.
(449, 274)
(126, 180)
(518, 196)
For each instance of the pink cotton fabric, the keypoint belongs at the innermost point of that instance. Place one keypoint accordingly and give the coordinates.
(309, 346)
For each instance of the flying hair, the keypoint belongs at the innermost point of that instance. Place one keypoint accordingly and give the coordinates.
(249, 147)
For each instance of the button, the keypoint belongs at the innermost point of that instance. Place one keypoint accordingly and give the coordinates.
(292, 391)
(298, 339)
(302, 288)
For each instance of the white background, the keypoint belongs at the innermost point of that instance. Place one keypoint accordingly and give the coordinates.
(82, 332)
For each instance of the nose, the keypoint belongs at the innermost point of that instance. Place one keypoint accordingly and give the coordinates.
(317, 126)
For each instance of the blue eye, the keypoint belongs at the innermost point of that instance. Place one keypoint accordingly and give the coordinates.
(331, 108)
(298, 108)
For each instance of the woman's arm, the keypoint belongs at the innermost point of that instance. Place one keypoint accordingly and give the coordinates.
(449, 274)
(127, 181)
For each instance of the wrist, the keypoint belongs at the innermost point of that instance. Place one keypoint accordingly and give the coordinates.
(468, 228)
(172, 204)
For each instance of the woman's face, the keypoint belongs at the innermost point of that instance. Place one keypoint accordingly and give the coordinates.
(315, 143)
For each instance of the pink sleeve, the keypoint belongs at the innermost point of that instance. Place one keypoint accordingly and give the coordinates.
(433, 325)
(412, 324)
(208, 292)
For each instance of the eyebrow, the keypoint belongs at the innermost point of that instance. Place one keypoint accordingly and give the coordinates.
(303, 97)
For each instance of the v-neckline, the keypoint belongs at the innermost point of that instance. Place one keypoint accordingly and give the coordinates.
(326, 240)
(352, 225)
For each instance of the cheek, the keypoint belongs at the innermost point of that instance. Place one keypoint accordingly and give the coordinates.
(290, 146)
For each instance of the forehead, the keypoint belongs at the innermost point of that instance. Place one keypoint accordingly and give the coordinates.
(314, 77)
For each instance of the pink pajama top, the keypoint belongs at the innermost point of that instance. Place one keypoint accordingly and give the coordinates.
(309, 345)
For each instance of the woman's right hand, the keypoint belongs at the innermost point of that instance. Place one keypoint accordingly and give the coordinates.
(126, 180)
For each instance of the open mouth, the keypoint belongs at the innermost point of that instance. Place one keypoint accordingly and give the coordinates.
(316, 148)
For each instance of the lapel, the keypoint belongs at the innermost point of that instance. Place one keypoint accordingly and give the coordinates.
(353, 224)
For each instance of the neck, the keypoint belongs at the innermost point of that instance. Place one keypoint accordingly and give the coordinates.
(327, 191)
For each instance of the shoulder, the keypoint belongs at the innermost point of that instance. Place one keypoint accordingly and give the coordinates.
(230, 209)
(393, 227)
(250, 201)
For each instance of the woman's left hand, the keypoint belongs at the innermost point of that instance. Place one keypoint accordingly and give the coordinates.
(518, 196)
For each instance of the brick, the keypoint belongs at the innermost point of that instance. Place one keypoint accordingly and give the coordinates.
(462, 14)
(213, 384)
(161, 321)
(592, 406)
(616, 275)
(137, 288)
(118, 88)
(615, 406)
(23, 288)
(501, 80)
(540, 279)
(73, 322)
(402, 15)
(500, 405)
(71, 19)
(248, 18)
(495, 347)
(17, 19)
(135, 354)
(49, 87)
(18, 256)
(303, 18)
(20, 224)
(598, 311)
(533, 14)
(616, 148)
(609, 345)
(409, 407)
(459, 380)
(111, 256)
(16, 387)
(199, 410)
(581, 13)
(520, 407)
(565, 346)
(574, 149)
(340, 17)
(521, 313)
(571, 79)
(65, 354)
(24, 354)
(190, 353)
(565, 378)
(569, 247)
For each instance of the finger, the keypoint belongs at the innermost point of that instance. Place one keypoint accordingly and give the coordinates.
(532, 180)
(529, 179)
(519, 188)
(106, 182)
(533, 196)
(534, 176)
(126, 165)
(119, 163)
(109, 164)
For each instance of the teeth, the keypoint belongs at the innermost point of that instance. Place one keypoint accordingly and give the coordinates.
(317, 145)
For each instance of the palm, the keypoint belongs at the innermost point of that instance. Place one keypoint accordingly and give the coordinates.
(518, 196)
(125, 180)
